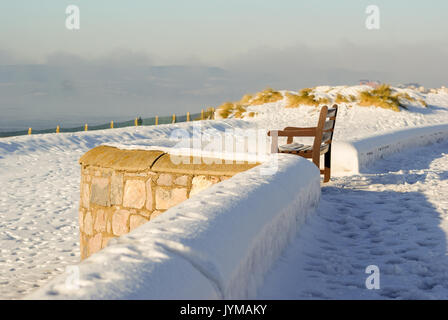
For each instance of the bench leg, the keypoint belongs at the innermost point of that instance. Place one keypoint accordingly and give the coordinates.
(327, 166)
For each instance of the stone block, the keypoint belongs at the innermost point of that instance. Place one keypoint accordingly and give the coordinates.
(167, 198)
(105, 241)
(109, 226)
(165, 179)
(95, 243)
(116, 189)
(200, 183)
(88, 224)
(181, 181)
(155, 214)
(136, 221)
(149, 200)
(120, 222)
(100, 192)
(134, 194)
(81, 219)
(100, 221)
(85, 195)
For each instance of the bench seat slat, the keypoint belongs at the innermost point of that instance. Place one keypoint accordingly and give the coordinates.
(304, 148)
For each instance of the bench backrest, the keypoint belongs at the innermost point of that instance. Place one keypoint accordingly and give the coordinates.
(325, 127)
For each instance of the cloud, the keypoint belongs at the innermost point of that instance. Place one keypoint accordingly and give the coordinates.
(343, 63)
(9, 58)
(124, 84)
(115, 58)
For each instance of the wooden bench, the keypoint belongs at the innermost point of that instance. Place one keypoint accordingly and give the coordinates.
(323, 135)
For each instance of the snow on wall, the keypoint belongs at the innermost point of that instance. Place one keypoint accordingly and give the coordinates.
(218, 244)
(351, 157)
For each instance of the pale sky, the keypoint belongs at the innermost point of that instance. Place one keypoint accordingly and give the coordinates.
(211, 51)
(211, 31)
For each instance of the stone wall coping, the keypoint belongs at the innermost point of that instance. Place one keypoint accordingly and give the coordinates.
(121, 160)
(199, 166)
(134, 160)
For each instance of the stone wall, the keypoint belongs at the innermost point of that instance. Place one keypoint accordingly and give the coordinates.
(123, 189)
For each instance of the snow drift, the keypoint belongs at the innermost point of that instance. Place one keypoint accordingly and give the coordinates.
(218, 244)
(351, 157)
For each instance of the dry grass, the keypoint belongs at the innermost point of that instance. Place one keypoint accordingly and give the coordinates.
(231, 108)
(246, 99)
(352, 98)
(323, 101)
(266, 96)
(381, 97)
(305, 97)
(226, 109)
(423, 102)
(406, 96)
(237, 109)
(341, 99)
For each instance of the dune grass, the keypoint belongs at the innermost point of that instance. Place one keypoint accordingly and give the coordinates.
(230, 108)
(238, 109)
(423, 102)
(341, 99)
(266, 96)
(383, 97)
(245, 100)
(305, 97)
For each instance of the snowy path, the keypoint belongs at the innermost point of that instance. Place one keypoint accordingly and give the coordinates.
(39, 220)
(395, 217)
(39, 198)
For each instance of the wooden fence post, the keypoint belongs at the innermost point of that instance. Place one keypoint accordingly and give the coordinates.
(188, 116)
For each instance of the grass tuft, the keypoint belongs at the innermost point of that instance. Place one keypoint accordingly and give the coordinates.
(305, 97)
(341, 99)
(423, 102)
(266, 96)
(382, 97)
(237, 109)
(228, 109)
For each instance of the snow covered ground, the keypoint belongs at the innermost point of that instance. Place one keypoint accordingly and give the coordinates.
(392, 216)
(39, 199)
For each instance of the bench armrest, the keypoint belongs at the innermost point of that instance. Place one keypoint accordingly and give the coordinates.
(290, 132)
